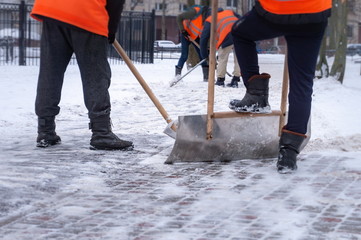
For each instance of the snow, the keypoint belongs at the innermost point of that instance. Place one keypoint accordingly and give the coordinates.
(336, 129)
(14, 33)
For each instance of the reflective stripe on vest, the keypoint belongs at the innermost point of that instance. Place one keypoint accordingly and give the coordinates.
(295, 6)
(225, 21)
(90, 15)
(194, 26)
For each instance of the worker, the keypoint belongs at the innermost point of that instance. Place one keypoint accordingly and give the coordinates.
(190, 24)
(303, 24)
(224, 45)
(85, 28)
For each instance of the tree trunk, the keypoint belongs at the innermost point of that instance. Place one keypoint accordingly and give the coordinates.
(339, 19)
(163, 35)
(322, 67)
(133, 4)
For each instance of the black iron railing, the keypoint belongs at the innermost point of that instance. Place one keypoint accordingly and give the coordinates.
(20, 36)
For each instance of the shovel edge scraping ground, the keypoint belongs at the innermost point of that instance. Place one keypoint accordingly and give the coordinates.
(252, 136)
(236, 136)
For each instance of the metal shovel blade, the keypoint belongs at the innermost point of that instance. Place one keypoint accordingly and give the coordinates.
(236, 138)
(170, 131)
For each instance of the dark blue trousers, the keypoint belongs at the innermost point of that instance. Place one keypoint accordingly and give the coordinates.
(303, 43)
(184, 52)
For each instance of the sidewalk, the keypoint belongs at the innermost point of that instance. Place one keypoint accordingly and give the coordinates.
(70, 192)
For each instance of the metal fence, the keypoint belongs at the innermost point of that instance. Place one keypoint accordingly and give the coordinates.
(136, 35)
(20, 36)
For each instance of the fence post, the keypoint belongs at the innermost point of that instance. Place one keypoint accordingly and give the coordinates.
(152, 34)
(130, 35)
(22, 26)
(143, 37)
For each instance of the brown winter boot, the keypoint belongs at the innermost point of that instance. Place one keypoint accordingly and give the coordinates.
(256, 97)
(289, 148)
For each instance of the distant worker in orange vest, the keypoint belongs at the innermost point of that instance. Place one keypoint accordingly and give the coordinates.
(190, 24)
(302, 23)
(85, 28)
(224, 45)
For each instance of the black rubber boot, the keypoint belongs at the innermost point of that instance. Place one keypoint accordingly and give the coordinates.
(205, 70)
(256, 98)
(234, 82)
(46, 132)
(289, 148)
(220, 81)
(104, 139)
(178, 70)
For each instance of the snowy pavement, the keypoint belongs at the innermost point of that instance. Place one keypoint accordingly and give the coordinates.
(70, 192)
(74, 193)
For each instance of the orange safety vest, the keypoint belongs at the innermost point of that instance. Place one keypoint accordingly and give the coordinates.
(295, 6)
(194, 27)
(225, 21)
(90, 15)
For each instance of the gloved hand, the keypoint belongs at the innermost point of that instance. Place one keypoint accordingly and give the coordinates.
(111, 38)
(185, 34)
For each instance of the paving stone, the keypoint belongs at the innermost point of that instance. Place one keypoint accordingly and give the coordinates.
(69, 194)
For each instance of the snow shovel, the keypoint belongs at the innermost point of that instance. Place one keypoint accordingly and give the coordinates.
(176, 79)
(226, 136)
(171, 128)
(197, 45)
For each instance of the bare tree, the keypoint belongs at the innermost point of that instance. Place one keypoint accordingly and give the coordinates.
(339, 22)
(166, 7)
(322, 67)
(163, 20)
(337, 43)
(134, 4)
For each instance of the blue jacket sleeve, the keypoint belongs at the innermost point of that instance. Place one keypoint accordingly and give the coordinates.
(206, 33)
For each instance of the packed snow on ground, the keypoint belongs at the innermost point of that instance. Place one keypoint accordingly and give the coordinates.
(335, 112)
(335, 127)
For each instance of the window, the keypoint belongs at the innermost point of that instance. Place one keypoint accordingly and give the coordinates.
(349, 31)
(182, 7)
(232, 3)
(159, 6)
(351, 5)
(137, 2)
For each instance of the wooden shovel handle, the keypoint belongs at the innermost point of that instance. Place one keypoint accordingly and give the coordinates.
(284, 94)
(212, 67)
(142, 82)
(195, 43)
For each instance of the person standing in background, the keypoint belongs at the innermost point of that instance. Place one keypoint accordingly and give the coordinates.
(224, 45)
(190, 24)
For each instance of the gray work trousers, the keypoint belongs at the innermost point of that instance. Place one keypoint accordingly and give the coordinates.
(223, 54)
(58, 43)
